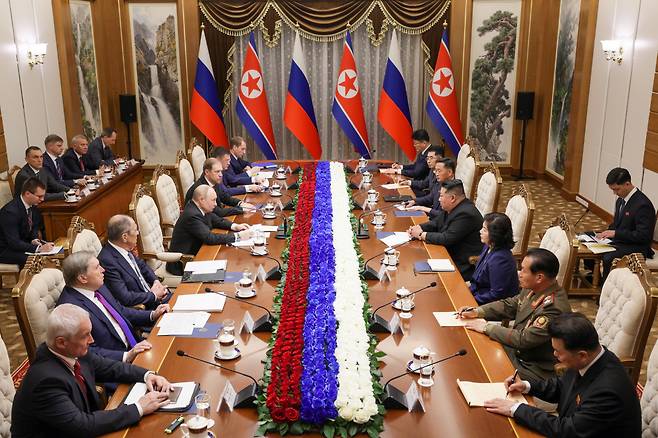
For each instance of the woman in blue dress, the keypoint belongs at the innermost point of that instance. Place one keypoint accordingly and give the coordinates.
(495, 274)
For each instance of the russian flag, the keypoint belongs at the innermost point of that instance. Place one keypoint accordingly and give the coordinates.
(442, 101)
(251, 106)
(393, 113)
(347, 107)
(206, 107)
(299, 116)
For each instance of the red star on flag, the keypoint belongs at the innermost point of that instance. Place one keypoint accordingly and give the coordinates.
(251, 84)
(443, 82)
(348, 83)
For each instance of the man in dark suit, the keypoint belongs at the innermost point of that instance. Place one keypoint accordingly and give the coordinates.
(422, 187)
(238, 154)
(75, 165)
(57, 396)
(444, 170)
(113, 325)
(34, 169)
(129, 278)
(21, 225)
(212, 176)
(419, 169)
(194, 227)
(631, 229)
(100, 153)
(224, 158)
(595, 397)
(457, 227)
(52, 161)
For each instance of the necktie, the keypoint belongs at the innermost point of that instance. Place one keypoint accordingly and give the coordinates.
(133, 263)
(58, 166)
(29, 218)
(82, 165)
(80, 380)
(118, 318)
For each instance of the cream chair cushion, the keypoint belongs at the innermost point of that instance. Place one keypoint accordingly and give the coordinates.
(87, 240)
(465, 171)
(40, 298)
(167, 194)
(185, 175)
(463, 152)
(556, 241)
(7, 392)
(486, 193)
(198, 157)
(5, 192)
(517, 211)
(652, 264)
(620, 313)
(649, 400)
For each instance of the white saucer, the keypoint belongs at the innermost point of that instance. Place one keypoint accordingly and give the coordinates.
(264, 253)
(276, 196)
(405, 315)
(396, 307)
(251, 295)
(236, 354)
(409, 368)
(71, 200)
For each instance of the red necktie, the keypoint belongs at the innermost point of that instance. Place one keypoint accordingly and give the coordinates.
(82, 165)
(80, 379)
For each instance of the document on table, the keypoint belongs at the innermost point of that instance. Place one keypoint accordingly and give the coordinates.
(266, 175)
(205, 266)
(181, 323)
(599, 248)
(477, 393)
(264, 228)
(392, 186)
(246, 243)
(441, 265)
(53, 251)
(199, 302)
(397, 238)
(589, 238)
(183, 400)
(451, 319)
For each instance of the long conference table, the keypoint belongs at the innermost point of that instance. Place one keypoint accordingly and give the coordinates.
(447, 413)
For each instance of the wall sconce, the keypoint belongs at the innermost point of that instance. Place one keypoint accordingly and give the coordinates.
(613, 50)
(36, 53)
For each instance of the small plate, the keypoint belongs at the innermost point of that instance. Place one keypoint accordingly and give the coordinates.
(236, 354)
(276, 195)
(396, 307)
(409, 368)
(71, 200)
(264, 253)
(251, 295)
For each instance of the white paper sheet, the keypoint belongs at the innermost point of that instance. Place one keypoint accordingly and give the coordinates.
(205, 266)
(398, 238)
(53, 251)
(441, 265)
(199, 302)
(247, 243)
(450, 319)
(266, 175)
(392, 186)
(181, 323)
(264, 228)
(184, 399)
(477, 393)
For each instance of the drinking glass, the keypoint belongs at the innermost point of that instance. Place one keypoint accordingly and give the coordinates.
(202, 404)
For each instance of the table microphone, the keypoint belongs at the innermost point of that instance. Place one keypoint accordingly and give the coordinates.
(282, 230)
(288, 205)
(379, 324)
(244, 398)
(272, 274)
(432, 284)
(369, 273)
(395, 399)
(362, 229)
(263, 324)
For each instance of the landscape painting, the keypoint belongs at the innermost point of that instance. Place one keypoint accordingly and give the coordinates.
(85, 63)
(157, 73)
(565, 61)
(493, 76)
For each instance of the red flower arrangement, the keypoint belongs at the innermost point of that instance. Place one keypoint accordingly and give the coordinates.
(283, 392)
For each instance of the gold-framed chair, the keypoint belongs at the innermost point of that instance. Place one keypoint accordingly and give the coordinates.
(521, 211)
(7, 392)
(167, 199)
(561, 240)
(488, 189)
(467, 170)
(184, 175)
(81, 236)
(11, 178)
(197, 155)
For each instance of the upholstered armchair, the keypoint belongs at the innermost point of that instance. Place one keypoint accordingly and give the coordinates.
(488, 189)
(626, 310)
(652, 264)
(166, 199)
(467, 172)
(11, 178)
(7, 392)
(40, 284)
(560, 239)
(197, 157)
(81, 236)
(185, 175)
(151, 242)
(463, 152)
(649, 400)
(520, 209)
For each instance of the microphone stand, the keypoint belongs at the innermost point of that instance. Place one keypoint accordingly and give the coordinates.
(288, 205)
(396, 399)
(246, 397)
(262, 324)
(282, 230)
(379, 324)
(272, 274)
(370, 274)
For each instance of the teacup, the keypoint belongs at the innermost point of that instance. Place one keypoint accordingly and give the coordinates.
(243, 288)
(373, 196)
(280, 173)
(379, 219)
(367, 177)
(421, 356)
(226, 345)
(196, 427)
(269, 211)
(391, 258)
(275, 190)
(362, 162)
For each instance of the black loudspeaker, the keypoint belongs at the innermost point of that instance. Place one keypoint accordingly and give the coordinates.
(128, 107)
(525, 104)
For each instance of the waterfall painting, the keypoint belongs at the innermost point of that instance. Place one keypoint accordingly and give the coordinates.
(493, 76)
(85, 63)
(565, 60)
(155, 52)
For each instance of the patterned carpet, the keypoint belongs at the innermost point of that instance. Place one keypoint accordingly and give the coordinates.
(548, 205)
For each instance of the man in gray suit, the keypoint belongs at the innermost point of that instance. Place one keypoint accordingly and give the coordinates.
(34, 168)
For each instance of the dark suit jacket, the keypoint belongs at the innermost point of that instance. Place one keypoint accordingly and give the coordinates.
(634, 225)
(602, 403)
(122, 281)
(97, 154)
(222, 199)
(495, 276)
(419, 169)
(194, 229)
(49, 165)
(54, 189)
(459, 232)
(72, 169)
(49, 402)
(232, 191)
(233, 179)
(107, 341)
(15, 233)
(238, 164)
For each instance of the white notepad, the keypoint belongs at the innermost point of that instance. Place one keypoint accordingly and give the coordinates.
(450, 319)
(477, 393)
(205, 266)
(184, 399)
(199, 302)
(441, 265)
(398, 238)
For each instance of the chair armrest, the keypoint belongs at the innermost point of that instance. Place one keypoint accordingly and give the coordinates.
(169, 257)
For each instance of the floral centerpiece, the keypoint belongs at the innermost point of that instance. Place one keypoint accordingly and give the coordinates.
(322, 371)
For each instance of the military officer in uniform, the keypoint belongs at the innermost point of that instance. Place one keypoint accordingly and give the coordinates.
(541, 299)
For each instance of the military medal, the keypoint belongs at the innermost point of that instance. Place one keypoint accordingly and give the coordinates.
(577, 399)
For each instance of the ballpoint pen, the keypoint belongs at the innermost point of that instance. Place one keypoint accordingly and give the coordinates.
(516, 373)
(467, 309)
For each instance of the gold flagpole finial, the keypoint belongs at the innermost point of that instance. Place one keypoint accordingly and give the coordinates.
(203, 26)
(445, 24)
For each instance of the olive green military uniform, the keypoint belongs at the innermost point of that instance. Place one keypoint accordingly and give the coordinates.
(528, 343)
